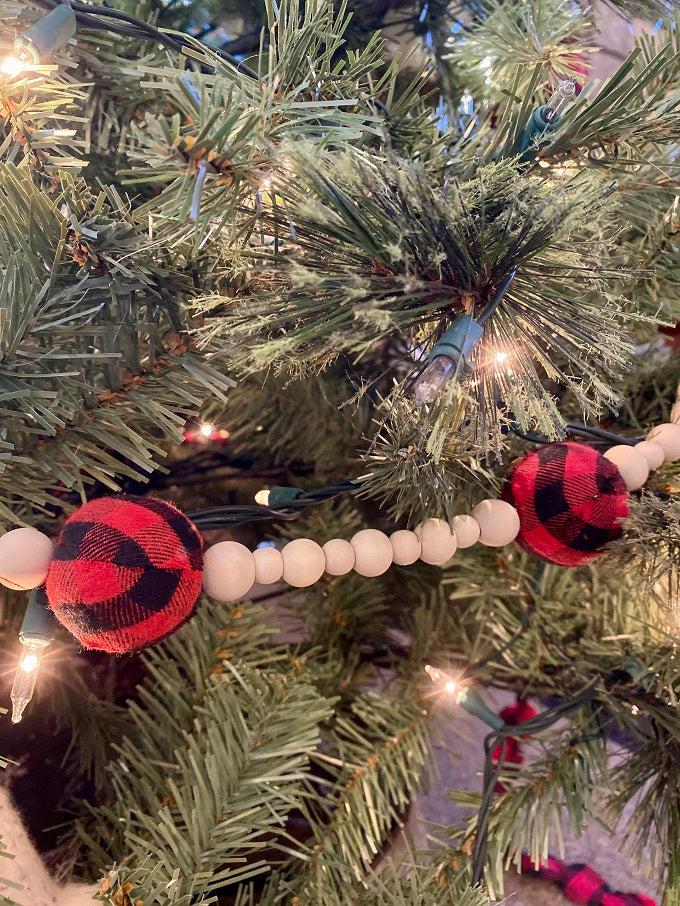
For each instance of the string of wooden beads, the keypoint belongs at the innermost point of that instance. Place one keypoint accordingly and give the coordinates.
(230, 570)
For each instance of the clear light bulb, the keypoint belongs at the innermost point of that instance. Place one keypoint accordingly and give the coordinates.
(26, 676)
(432, 379)
(563, 95)
(206, 430)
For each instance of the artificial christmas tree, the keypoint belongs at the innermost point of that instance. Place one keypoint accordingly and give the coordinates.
(295, 316)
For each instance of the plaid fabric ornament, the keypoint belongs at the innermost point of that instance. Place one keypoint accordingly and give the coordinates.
(126, 573)
(571, 502)
(579, 883)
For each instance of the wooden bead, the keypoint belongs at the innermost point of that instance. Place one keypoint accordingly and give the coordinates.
(667, 436)
(25, 555)
(268, 565)
(405, 547)
(340, 557)
(652, 452)
(467, 531)
(675, 413)
(438, 541)
(303, 562)
(498, 522)
(372, 551)
(632, 465)
(228, 571)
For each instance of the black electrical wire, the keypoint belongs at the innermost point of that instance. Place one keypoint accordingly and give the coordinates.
(596, 435)
(492, 771)
(221, 516)
(489, 309)
(91, 15)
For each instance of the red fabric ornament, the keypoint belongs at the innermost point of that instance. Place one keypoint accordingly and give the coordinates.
(570, 500)
(127, 572)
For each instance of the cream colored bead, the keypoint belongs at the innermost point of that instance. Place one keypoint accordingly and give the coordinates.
(340, 557)
(438, 541)
(372, 551)
(405, 547)
(667, 436)
(467, 531)
(25, 555)
(632, 465)
(303, 562)
(268, 565)
(652, 452)
(675, 413)
(498, 522)
(228, 571)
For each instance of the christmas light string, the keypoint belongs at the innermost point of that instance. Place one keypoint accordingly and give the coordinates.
(55, 31)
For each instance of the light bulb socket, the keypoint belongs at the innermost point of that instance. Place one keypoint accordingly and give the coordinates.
(474, 704)
(538, 125)
(49, 34)
(38, 625)
(280, 495)
(459, 340)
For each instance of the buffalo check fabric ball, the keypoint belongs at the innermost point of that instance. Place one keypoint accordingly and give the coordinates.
(126, 573)
(571, 502)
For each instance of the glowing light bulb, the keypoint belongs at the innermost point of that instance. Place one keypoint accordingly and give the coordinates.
(206, 430)
(12, 65)
(450, 687)
(26, 676)
(501, 357)
(262, 497)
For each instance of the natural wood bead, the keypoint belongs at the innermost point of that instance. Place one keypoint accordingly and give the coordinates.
(675, 413)
(228, 571)
(25, 555)
(303, 562)
(405, 547)
(652, 452)
(372, 551)
(438, 541)
(467, 531)
(340, 557)
(268, 565)
(498, 522)
(632, 465)
(667, 436)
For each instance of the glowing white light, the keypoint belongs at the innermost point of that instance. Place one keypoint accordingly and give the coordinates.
(29, 663)
(450, 687)
(501, 357)
(262, 497)
(12, 65)
(206, 429)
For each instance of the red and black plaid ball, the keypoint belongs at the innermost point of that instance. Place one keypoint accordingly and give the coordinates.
(570, 500)
(126, 573)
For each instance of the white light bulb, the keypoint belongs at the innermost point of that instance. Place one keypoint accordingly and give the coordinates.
(450, 687)
(501, 357)
(12, 65)
(262, 497)
(29, 662)
(26, 676)
(206, 429)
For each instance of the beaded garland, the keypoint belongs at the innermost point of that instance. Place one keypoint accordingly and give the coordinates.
(125, 571)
